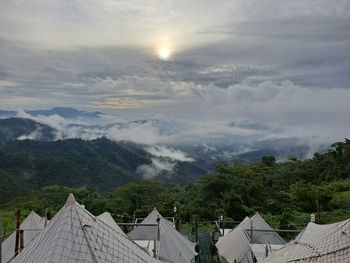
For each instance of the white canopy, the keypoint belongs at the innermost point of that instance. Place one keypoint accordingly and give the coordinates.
(317, 243)
(236, 244)
(173, 246)
(31, 226)
(75, 235)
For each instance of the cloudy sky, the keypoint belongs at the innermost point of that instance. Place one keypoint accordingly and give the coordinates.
(278, 64)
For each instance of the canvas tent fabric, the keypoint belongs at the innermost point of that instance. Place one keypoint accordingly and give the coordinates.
(317, 243)
(236, 244)
(173, 246)
(260, 250)
(75, 235)
(107, 218)
(31, 226)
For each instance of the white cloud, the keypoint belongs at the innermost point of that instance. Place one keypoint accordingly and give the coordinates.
(171, 153)
(35, 135)
(7, 84)
(143, 133)
(154, 169)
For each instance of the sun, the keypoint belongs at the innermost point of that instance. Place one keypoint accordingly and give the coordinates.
(164, 53)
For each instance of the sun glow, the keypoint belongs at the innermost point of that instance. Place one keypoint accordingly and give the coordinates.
(164, 53)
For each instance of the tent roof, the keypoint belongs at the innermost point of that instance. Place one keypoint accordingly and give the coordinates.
(107, 218)
(321, 243)
(31, 225)
(174, 247)
(75, 235)
(235, 245)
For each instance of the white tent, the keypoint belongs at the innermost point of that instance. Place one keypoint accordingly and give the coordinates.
(236, 245)
(317, 243)
(107, 218)
(173, 246)
(75, 235)
(31, 226)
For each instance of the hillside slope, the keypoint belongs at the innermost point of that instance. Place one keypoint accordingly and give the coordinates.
(100, 164)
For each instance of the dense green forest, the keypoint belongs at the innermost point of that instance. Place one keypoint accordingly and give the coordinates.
(29, 165)
(285, 193)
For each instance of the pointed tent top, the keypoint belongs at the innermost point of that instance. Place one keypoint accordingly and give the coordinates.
(32, 224)
(96, 243)
(32, 213)
(70, 199)
(174, 247)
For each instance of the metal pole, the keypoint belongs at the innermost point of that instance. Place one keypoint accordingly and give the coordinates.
(196, 228)
(251, 233)
(223, 227)
(18, 223)
(274, 230)
(251, 239)
(158, 236)
(46, 214)
(21, 240)
(0, 240)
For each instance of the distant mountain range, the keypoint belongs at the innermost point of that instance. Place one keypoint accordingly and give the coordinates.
(36, 152)
(64, 112)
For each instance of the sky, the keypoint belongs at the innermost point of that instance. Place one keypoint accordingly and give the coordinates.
(282, 67)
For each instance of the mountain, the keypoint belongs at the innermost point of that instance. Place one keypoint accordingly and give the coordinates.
(18, 128)
(68, 113)
(64, 112)
(7, 114)
(100, 164)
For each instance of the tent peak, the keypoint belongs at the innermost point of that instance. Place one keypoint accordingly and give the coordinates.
(70, 199)
(32, 213)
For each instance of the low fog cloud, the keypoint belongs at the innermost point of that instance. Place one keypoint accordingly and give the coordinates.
(167, 152)
(156, 168)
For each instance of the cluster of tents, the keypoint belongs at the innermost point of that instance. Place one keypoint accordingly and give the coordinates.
(75, 235)
(253, 240)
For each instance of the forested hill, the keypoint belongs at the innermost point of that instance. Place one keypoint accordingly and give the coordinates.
(18, 128)
(285, 193)
(101, 164)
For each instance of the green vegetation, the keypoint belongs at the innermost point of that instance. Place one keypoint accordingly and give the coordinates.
(101, 164)
(285, 193)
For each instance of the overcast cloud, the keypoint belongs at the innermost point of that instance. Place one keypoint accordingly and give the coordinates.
(283, 65)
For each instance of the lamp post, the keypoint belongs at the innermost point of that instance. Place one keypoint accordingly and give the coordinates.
(222, 224)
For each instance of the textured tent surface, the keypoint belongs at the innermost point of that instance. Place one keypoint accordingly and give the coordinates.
(317, 243)
(107, 218)
(173, 246)
(31, 226)
(235, 245)
(75, 235)
(259, 250)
